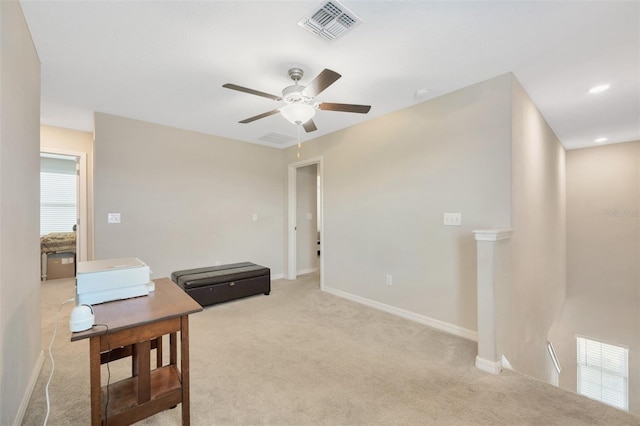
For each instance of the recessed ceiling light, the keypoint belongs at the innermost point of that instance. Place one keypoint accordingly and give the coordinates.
(600, 140)
(599, 88)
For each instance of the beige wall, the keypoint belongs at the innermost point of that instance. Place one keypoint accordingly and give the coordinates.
(603, 201)
(307, 229)
(387, 184)
(54, 139)
(186, 199)
(20, 343)
(537, 290)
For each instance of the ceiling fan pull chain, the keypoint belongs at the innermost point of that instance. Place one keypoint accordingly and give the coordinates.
(299, 144)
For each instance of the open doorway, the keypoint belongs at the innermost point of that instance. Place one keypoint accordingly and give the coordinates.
(63, 213)
(305, 218)
(307, 230)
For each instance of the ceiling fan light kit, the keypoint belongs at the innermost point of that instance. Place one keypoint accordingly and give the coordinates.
(298, 113)
(299, 109)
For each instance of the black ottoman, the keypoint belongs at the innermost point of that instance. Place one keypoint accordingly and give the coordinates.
(216, 284)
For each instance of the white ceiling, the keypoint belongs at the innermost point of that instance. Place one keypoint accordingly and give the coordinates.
(166, 61)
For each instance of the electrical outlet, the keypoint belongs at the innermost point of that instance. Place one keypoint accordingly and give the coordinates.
(389, 279)
(453, 219)
(254, 217)
(216, 263)
(113, 217)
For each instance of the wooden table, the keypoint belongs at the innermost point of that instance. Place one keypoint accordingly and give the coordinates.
(135, 326)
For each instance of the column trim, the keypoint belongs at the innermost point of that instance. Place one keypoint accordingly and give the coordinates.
(493, 234)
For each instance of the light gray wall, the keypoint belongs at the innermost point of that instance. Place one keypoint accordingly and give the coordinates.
(537, 291)
(387, 184)
(603, 201)
(307, 229)
(186, 199)
(20, 343)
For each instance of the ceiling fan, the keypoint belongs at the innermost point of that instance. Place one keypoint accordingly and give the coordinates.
(299, 108)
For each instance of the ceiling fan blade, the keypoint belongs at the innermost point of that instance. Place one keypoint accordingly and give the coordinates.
(310, 126)
(325, 79)
(328, 106)
(251, 91)
(259, 116)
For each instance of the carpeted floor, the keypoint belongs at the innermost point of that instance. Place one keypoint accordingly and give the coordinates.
(304, 357)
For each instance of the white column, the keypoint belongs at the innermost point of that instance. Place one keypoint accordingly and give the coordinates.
(493, 266)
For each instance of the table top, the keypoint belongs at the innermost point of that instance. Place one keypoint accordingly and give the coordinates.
(166, 302)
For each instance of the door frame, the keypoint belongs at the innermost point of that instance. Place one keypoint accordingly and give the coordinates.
(292, 272)
(82, 249)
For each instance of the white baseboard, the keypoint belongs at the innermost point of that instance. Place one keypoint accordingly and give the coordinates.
(307, 271)
(431, 322)
(493, 367)
(504, 362)
(30, 387)
(302, 272)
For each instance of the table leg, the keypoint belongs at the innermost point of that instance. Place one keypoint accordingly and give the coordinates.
(173, 353)
(159, 352)
(143, 363)
(184, 367)
(134, 361)
(96, 387)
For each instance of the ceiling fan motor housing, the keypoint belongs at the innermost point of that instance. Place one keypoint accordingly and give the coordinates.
(293, 94)
(296, 74)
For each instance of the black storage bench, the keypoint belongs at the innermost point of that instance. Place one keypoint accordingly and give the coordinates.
(216, 284)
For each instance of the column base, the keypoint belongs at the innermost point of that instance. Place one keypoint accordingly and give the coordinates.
(492, 367)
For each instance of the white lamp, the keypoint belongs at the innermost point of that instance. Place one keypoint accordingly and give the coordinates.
(298, 113)
(81, 318)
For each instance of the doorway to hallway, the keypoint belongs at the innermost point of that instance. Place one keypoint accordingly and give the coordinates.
(305, 237)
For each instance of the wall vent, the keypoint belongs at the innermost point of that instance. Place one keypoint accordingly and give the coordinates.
(330, 21)
(277, 138)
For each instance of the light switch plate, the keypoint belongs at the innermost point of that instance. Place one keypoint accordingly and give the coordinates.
(113, 217)
(453, 219)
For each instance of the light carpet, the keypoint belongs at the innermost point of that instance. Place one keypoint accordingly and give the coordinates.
(304, 357)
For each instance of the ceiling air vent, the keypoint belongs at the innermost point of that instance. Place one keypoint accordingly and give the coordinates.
(277, 138)
(331, 21)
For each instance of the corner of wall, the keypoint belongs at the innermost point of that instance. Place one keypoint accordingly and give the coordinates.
(538, 290)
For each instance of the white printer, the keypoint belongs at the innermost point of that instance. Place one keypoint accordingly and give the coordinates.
(99, 281)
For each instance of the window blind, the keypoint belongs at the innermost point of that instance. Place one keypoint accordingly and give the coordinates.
(603, 372)
(58, 207)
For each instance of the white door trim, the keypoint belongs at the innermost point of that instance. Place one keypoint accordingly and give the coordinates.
(291, 218)
(81, 233)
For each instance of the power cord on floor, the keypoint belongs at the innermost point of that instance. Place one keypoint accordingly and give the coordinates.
(53, 364)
